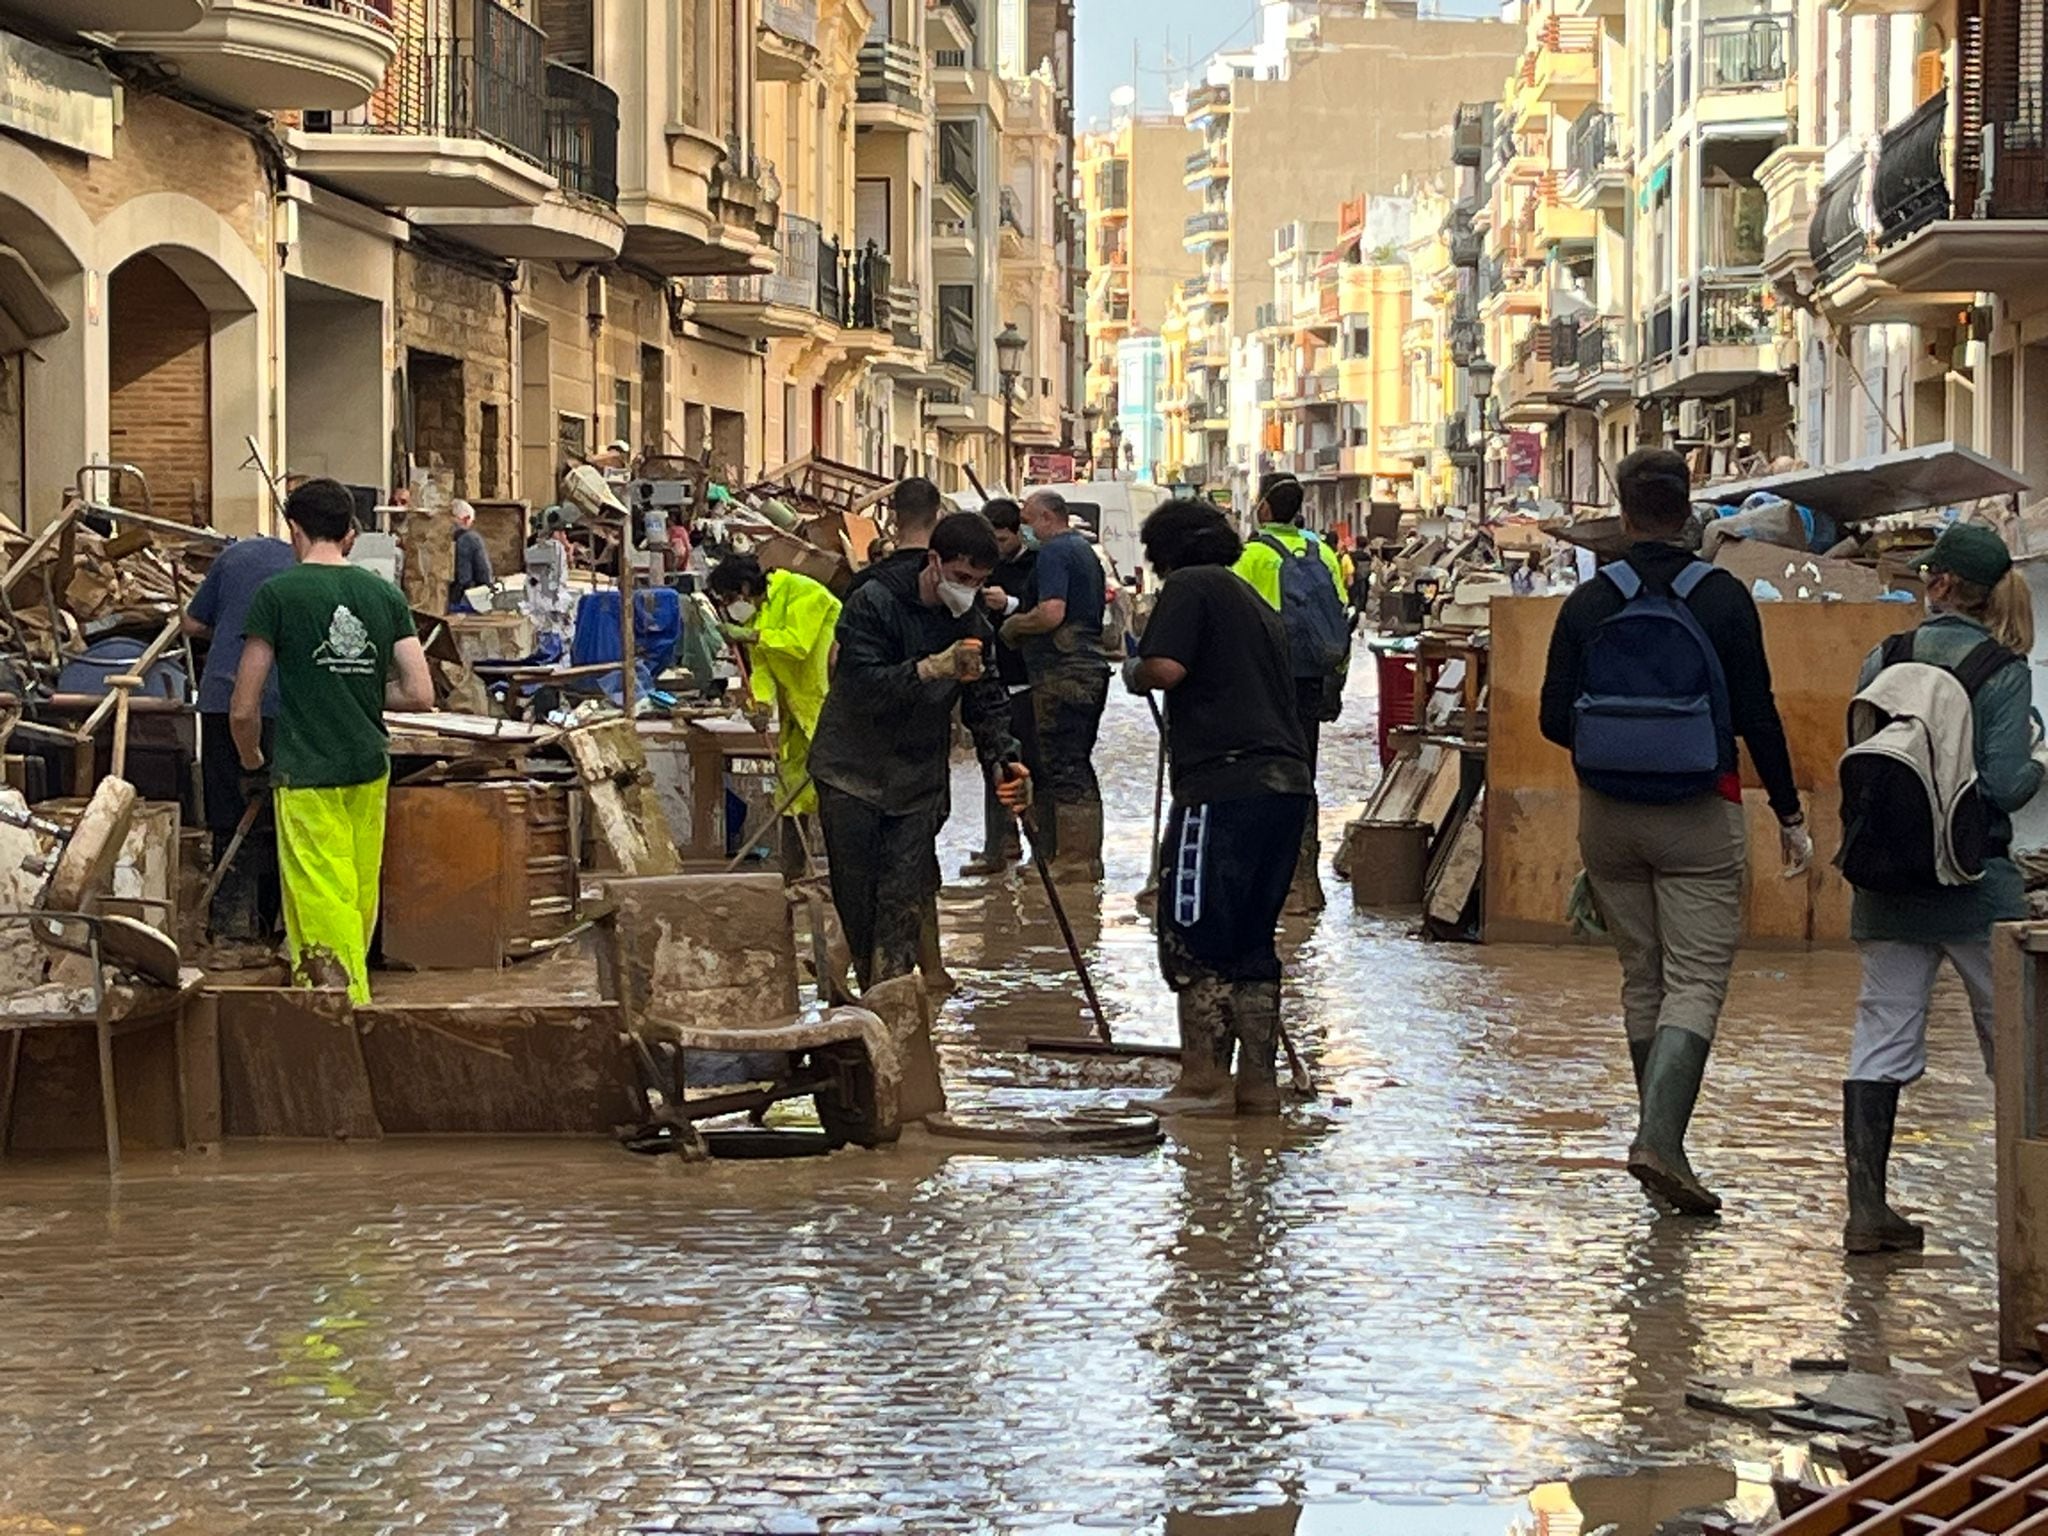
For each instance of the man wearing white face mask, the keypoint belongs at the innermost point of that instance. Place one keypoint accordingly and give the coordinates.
(912, 644)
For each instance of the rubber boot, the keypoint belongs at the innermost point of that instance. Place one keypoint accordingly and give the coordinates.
(1639, 1058)
(1671, 1086)
(1255, 1006)
(1205, 1041)
(1869, 1112)
(1079, 842)
(930, 964)
(1305, 894)
(982, 863)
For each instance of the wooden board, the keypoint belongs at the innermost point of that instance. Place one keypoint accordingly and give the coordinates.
(444, 900)
(1458, 870)
(489, 1068)
(624, 809)
(1532, 853)
(291, 1065)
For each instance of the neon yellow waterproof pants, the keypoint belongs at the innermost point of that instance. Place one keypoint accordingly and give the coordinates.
(330, 851)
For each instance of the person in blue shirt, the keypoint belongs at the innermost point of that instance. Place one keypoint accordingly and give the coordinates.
(1060, 637)
(249, 902)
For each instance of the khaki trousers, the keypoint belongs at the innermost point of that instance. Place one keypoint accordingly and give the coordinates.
(1668, 881)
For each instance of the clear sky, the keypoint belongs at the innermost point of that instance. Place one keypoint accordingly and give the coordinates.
(1169, 37)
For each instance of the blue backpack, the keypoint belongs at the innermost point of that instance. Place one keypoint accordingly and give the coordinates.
(1318, 636)
(1651, 722)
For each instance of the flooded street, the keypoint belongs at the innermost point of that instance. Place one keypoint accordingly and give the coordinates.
(1395, 1315)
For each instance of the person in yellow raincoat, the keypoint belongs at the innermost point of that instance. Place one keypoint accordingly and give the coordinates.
(785, 620)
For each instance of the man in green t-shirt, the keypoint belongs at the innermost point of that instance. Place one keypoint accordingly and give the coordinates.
(343, 643)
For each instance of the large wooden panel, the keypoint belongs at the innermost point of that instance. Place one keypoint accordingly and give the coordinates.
(1532, 855)
(549, 1069)
(445, 877)
(291, 1065)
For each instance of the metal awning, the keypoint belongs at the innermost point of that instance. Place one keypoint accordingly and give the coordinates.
(28, 311)
(1912, 480)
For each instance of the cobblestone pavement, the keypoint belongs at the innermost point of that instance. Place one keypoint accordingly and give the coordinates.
(1400, 1313)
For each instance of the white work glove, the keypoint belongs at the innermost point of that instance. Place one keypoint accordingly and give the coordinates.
(1796, 844)
(1131, 683)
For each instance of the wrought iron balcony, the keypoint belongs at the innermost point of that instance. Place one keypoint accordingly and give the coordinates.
(1746, 53)
(1733, 311)
(1912, 188)
(1598, 345)
(492, 86)
(1657, 332)
(1590, 144)
(583, 133)
(1836, 238)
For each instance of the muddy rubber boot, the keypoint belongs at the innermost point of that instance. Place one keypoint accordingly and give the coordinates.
(1671, 1086)
(1305, 894)
(981, 863)
(930, 964)
(1869, 1112)
(1205, 1041)
(1255, 1006)
(1079, 842)
(1639, 1058)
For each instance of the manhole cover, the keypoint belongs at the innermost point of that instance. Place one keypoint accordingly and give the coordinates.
(1108, 1129)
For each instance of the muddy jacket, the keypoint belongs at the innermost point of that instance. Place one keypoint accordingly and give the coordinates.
(884, 736)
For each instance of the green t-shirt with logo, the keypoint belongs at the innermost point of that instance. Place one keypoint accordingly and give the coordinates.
(333, 628)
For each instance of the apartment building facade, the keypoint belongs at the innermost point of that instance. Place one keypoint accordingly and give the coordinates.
(482, 239)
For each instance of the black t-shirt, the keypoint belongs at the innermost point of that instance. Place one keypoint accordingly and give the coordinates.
(1231, 723)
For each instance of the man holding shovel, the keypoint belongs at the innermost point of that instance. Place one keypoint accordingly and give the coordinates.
(1242, 792)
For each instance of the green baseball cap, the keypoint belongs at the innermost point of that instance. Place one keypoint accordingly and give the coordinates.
(1971, 551)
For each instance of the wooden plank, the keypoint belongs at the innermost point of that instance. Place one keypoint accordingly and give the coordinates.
(623, 806)
(1452, 889)
(493, 1069)
(291, 1065)
(1815, 651)
(1439, 797)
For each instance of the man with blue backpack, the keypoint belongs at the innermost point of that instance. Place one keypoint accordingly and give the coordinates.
(1656, 667)
(1300, 577)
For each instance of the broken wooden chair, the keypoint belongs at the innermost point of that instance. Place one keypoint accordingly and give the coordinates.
(107, 971)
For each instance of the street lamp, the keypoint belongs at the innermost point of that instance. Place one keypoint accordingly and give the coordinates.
(1009, 365)
(1479, 375)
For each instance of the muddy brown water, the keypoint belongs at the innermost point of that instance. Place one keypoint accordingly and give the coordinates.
(1396, 1317)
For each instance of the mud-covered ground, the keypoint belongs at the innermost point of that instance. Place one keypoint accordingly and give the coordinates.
(1396, 1316)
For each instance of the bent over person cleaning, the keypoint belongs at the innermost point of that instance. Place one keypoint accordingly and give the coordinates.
(344, 647)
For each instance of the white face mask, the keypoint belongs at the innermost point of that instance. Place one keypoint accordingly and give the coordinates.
(957, 596)
(739, 612)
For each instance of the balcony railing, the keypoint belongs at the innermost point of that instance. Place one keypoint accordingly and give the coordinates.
(1912, 191)
(583, 133)
(957, 157)
(792, 285)
(1192, 288)
(853, 287)
(1113, 186)
(906, 316)
(1746, 53)
(1590, 144)
(1661, 101)
(1733, 311)
(1200, 224)
(796, 20)
(1564, 341)
(1836, 238)
(1657, 332)
(891, 71)
(1204, 99)
(949, 58)
(1598, 345)
(1468, 133)
(493, 86)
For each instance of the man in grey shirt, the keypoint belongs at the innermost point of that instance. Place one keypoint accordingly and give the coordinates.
(249, 902)
(472, 559)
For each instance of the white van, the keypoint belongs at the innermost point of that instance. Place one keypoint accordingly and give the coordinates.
(1115, 510)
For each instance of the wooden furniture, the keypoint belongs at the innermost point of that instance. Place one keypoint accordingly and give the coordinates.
(476, 874)
(716, 749)
(115, 976)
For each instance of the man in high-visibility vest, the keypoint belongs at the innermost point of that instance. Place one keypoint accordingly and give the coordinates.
(785, 620)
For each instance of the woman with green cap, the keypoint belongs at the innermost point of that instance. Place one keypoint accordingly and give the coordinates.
(1980, 626)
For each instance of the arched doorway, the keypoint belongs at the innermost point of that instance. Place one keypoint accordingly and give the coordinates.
(159, 385)
(46, 416)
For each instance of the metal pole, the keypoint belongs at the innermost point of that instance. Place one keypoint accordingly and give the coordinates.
(627, 659)
(1009, 424)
